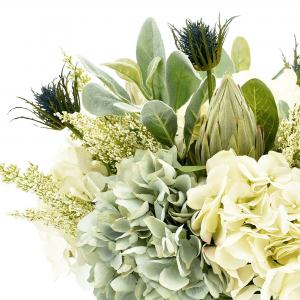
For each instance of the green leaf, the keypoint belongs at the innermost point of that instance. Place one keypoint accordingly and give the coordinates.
(284, 109)
(240, 54)
(226, 65)
(192, 113)
(149, 46)
(161, 120)
(264, 107)
(182, 79)
(106, 79)
(98, 101)
(127, 69)
(130, 71)
(188, 169)
(129, 108)
(151, 70)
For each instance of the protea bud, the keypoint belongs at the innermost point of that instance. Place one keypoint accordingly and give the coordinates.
(230, 124)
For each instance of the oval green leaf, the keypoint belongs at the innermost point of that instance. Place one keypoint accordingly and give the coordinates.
(284, 109)
(264, 107)
(161, 120)
(182, 79)
(240, 54)
(149, 46)
(106, 79)
(192, 113)
(188, 169)
(98, 101)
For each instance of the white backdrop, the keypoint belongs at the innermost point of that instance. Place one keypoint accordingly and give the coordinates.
(31, 32)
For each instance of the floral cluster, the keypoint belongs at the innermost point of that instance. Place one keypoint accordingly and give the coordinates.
(137, 239)
(60, 206)
(111, 138)
(289, 136)
(184, 184)
(248, 215)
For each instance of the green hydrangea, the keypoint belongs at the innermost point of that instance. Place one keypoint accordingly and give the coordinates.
(138, 240)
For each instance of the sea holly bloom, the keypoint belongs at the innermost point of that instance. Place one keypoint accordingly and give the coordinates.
(202, 45)
(54, 98)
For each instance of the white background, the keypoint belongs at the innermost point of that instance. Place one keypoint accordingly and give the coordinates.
(102, 31)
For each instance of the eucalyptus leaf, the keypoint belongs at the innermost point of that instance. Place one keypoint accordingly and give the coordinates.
(149, 46)
(284, 109)
(161, 120)
(264, 107)
(182, 79)
(226, 64)
(240, 54)
(98, 101)
(192, 113)
(151, 70)
(106, 79)
(188, 169)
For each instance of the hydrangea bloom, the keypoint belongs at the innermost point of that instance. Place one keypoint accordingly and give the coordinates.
(137, 240)
(248, 215)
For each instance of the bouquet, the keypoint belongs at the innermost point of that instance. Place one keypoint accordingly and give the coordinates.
(184, 184)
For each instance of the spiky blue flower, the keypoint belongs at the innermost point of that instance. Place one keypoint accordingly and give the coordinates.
(202, 44)
(54, 98)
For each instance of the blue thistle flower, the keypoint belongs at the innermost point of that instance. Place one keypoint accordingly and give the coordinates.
(202, 45)
(54, 98)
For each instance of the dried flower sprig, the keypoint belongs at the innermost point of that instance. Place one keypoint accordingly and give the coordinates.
(289, 136)
(111, 138)
(77, 73)
(60, 211)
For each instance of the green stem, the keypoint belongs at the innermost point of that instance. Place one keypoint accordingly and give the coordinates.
(279, 73)
(75, 131)
(210, 84)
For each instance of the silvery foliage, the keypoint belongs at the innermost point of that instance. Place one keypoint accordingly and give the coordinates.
(137, 239)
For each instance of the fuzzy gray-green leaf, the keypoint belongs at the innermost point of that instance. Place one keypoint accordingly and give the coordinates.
(284, 109)
(149, 46)
(98, 101)
(192, 113)
(182, 79)
(264, 107)
(106, 79)
(161, 120)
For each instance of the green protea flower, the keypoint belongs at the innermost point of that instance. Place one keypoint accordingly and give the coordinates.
(202, 45)
(230, 124)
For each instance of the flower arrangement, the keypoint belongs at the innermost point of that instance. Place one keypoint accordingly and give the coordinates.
(184, 185)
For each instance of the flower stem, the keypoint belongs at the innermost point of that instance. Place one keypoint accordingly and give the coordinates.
(279, 73)
(75, 131)
(210, 84)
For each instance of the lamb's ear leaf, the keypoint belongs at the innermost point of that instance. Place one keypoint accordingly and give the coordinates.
(99, 101)
(284, 109)
(149, 46)
(117, 89)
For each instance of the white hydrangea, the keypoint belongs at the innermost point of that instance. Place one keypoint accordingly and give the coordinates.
(248, 213)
